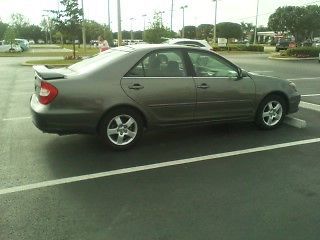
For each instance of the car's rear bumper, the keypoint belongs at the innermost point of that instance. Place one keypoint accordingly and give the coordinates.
(49, 121)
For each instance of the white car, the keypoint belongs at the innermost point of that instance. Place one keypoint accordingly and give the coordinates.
(6, 47)
(190, 42)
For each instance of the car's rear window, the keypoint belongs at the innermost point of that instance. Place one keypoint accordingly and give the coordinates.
(99, 59)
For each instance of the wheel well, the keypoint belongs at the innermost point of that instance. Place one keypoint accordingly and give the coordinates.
(282, 95)
(145, 122)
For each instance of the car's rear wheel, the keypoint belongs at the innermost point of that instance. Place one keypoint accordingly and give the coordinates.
(271, 112)
(121, 129)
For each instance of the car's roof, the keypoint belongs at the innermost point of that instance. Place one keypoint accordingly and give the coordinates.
(131, 48)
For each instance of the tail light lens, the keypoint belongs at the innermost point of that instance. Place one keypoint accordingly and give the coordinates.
(47, 93)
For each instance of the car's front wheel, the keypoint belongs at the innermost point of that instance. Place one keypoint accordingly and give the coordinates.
(121, 129)
(271, 112)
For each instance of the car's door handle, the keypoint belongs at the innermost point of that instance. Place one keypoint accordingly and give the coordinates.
(203, 86)
(135, 86)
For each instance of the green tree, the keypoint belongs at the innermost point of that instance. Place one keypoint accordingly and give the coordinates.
(94, 29)
(68, 20)
(190, 32)
(229, 30)
(157, 32)
(299, 21)
(3, 28)
(205, 31)
(19, 22)
(247, 30)
(10, 35)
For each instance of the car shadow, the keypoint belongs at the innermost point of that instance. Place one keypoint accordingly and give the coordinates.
(80, 154)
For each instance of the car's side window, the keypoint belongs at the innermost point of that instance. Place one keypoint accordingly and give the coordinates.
(207, 65)
(167, 63)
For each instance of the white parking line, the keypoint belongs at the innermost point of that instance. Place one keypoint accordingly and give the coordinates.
(310, 95)
(310, 106)
(296, 79)
(15, 118)
(152, 166)
(295, 122)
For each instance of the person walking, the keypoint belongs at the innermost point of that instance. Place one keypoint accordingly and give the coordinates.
(103, 44)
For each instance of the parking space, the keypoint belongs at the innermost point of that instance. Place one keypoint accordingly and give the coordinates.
(257, 190)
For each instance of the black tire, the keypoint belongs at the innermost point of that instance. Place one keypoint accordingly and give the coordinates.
(264, 109)
(109, 122)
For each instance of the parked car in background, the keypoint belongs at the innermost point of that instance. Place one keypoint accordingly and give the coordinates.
(284, 44)
(316, 43)
(189, 42)
(24, 44)
(6, 47)
(40, 41)
(123, 91)
(31, 41)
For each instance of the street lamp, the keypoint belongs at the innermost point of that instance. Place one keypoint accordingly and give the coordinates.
(109, 14)
(132, 19)
(183, 7)
(171, 15)
(255, 29)
(84, 42)
(144, 25)
(119, 24)
(215, 22)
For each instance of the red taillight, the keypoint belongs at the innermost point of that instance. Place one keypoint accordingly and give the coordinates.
(47, 93)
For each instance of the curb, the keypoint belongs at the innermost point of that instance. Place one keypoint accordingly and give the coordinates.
(292, 59)
(55, 65)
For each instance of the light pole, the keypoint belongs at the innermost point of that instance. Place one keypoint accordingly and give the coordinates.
(132, 19)
(144, 25)
(183, 7)
(255, 29)
(109, 14)
(119, 24)
(215, 22)
(83, 30)
(171, 15)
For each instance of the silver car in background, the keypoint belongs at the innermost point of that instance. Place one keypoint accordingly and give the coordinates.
(123, 91)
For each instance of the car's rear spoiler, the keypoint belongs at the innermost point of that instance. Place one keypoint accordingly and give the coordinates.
(46, 73)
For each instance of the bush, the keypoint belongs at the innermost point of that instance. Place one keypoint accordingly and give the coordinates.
(240, 47)
(303, 52)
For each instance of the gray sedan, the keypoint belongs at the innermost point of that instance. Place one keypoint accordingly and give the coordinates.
(123, 91)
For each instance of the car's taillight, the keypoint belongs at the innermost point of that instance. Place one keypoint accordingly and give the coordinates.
(47, 93)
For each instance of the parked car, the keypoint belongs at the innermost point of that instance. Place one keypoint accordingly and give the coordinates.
(189, 42)
(284, 44)
(40, 41)
(6, 47)
(24, 44)
(316, 43)
(124, 90)
(31, 41)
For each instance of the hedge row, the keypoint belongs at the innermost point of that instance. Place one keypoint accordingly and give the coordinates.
(303, 52)
(241, 47)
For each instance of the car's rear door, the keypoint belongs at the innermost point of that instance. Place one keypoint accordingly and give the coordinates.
(220, 93)
(160, 84)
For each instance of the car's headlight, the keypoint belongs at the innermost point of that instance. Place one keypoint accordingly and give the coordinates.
(293, 86)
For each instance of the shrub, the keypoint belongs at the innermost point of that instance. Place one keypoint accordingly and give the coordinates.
(240, 47)
(303, 52)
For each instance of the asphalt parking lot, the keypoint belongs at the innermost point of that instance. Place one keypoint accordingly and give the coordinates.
(228, 181)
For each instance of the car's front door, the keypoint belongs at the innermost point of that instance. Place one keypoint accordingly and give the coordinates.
(160, 84)
(220, 93)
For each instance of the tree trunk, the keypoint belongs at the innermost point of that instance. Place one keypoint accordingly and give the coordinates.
(74, 49)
